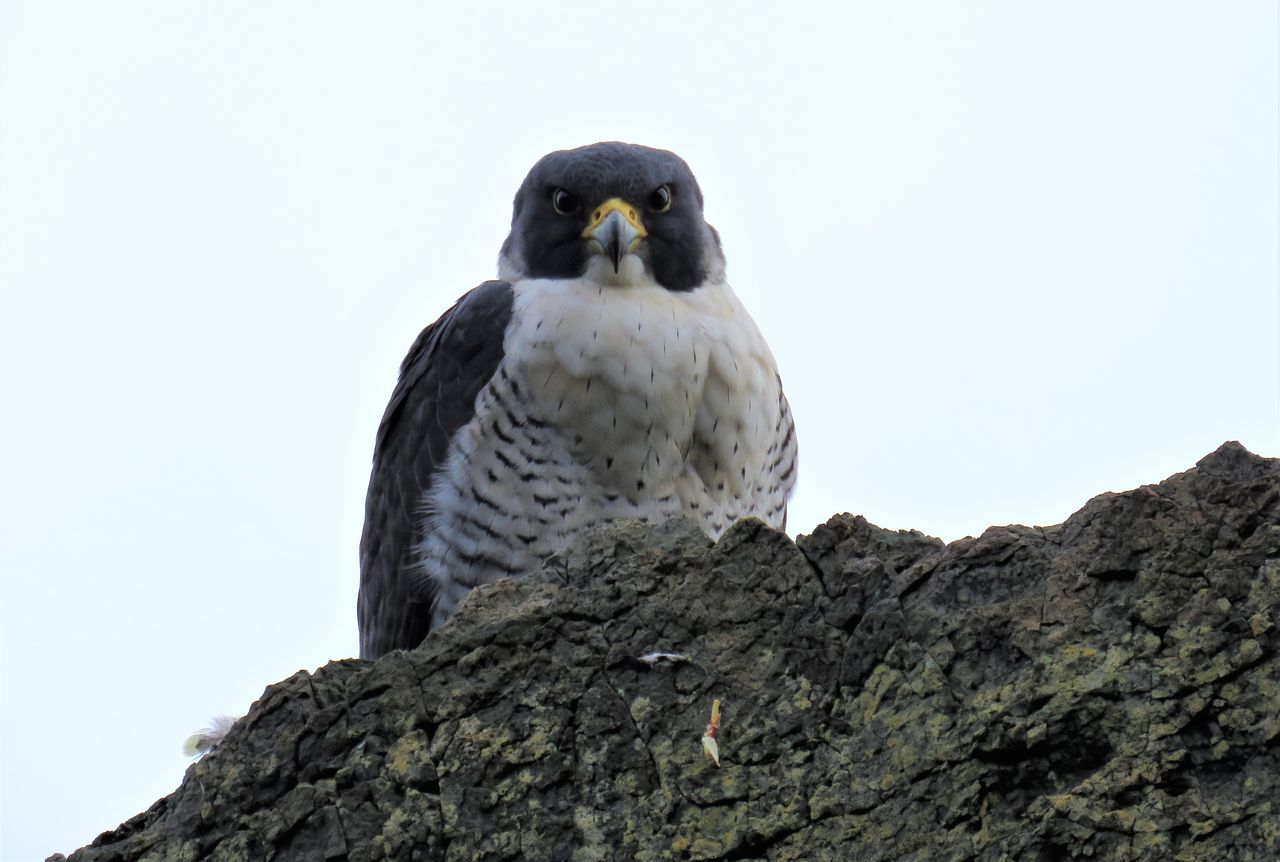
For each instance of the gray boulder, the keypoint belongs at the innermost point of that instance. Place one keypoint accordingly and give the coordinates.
(1104, 689)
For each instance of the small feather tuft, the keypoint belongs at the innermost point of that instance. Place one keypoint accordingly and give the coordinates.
(207, 739)
(709, 744)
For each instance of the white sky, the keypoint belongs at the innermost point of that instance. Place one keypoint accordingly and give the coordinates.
(1008, 255)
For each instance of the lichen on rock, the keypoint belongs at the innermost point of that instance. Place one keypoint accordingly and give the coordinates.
(1107, 688)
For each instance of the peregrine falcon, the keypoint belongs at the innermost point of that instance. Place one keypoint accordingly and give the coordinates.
(610, 373)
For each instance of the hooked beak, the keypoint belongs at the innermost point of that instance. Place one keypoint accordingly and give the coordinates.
(615, 230)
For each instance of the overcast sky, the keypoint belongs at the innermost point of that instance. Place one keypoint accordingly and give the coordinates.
(1008, 256)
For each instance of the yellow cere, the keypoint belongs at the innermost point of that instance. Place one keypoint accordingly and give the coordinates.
(629, 212)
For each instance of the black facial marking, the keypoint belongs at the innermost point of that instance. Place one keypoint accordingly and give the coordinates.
(556, 200)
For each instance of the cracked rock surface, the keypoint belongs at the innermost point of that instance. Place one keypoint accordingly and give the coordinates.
(1107, 688)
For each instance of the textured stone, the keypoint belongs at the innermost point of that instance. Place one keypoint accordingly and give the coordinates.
(1107, 688)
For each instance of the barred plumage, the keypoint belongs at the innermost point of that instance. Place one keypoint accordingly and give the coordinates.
(624, 379)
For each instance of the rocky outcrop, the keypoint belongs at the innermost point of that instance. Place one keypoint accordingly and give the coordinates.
(1107, 688)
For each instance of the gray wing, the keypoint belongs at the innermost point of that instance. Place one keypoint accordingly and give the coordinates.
(445, 370)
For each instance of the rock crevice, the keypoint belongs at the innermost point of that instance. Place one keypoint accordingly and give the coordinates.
(1107, 688)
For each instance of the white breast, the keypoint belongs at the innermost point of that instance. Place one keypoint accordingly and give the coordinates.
(610, 402)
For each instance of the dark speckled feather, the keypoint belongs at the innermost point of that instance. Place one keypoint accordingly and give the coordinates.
(447, 367)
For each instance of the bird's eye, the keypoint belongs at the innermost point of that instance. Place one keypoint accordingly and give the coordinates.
(660, 199)
(565, 202)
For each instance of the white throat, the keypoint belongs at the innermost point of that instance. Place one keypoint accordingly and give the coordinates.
(631, 272)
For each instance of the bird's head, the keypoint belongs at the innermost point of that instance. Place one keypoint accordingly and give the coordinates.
(620, 213)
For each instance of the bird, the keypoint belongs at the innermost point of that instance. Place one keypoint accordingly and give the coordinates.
(609, 372)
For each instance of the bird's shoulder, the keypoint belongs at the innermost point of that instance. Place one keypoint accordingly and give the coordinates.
(451, 360)
(447, 366)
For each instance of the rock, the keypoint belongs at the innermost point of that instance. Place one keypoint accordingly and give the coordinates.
(1107, 689)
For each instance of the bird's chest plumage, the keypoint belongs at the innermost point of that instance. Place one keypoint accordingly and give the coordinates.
(621, 372)
(609, 402)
